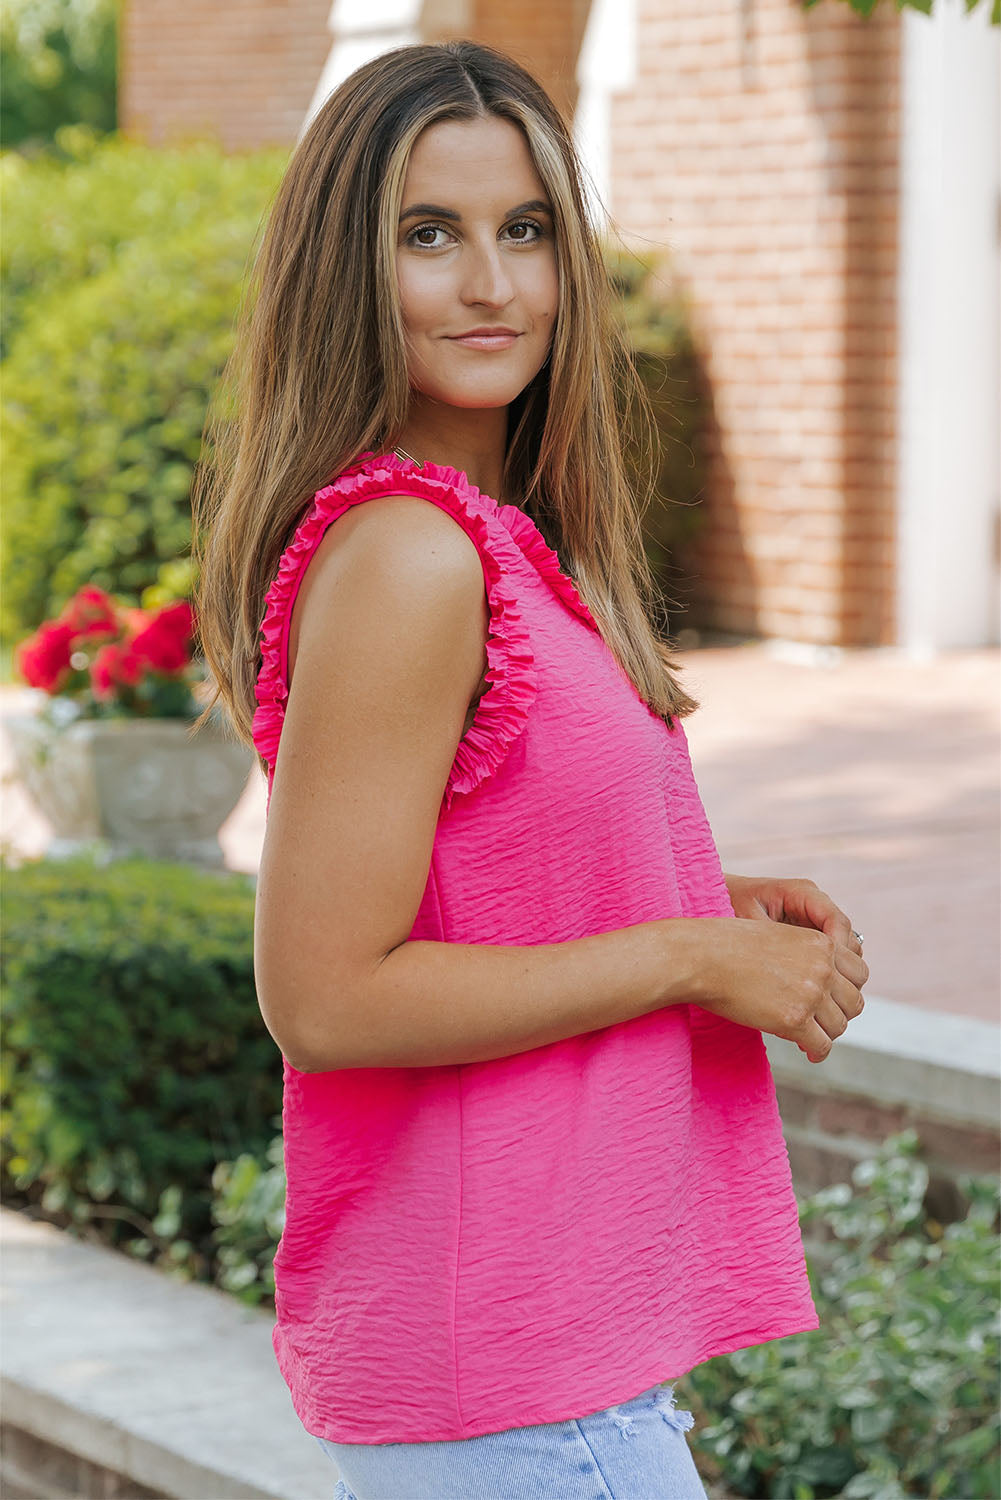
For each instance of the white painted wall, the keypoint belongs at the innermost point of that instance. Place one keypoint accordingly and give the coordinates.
(362, 29)
(606, 65)
(949, 468)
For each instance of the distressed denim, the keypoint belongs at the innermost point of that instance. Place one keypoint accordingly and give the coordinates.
(636, 1450)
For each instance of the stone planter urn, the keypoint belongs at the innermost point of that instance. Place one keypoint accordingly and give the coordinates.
(128, 786)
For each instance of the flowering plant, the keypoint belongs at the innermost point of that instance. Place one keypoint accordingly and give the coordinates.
(100, 658)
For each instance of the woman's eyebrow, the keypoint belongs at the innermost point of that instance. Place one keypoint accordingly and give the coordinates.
(416, 209)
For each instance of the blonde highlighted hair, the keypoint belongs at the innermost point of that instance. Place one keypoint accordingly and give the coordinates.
(318, 370)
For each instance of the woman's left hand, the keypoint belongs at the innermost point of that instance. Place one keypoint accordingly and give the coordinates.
(790, 899)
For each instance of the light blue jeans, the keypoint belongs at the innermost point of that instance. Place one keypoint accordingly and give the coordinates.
(634, 1451)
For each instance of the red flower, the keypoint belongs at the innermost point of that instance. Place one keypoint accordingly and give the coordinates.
(178, 619)
(141, 642)
(115, 665)
(163, 642)
(43, 660)
(91, 612)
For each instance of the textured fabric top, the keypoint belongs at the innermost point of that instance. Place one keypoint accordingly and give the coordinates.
(487, 1245)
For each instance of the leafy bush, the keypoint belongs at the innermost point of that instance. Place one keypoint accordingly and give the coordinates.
(657, 319)
(115, 353)
(896, 1394)
(59, 68)
(135, 1055)
(109, 383)
(68, 215)
(249, 1213)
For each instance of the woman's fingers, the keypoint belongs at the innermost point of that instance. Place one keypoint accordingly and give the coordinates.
(815, 1042)
(846, 996)
(853, 966)
(831, 1015)
(831, 1018)
(841, 1004)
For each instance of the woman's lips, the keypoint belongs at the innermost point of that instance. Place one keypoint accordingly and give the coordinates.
(487, 340)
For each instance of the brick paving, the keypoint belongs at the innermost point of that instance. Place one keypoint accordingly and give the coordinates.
(876, 776)
(871, 773)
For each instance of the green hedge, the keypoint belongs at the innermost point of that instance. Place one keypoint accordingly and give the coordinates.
(69, 214)
(135, 1057)
(60, 69)
(115, 341)
(108, 382)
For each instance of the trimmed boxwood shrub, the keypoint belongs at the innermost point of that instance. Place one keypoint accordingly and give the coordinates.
(135, 1056)
(60, 69)
(107, 387)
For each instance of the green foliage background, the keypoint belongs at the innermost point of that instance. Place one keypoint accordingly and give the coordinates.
(114, 337)
(58, 66)
(135, 1057)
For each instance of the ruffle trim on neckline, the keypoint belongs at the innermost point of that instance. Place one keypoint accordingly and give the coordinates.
(502, 711)
(545, 561)
(517, 522)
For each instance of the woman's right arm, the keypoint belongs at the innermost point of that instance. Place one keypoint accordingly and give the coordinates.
(389, 647)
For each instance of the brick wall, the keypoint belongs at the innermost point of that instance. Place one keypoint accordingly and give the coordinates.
(245, 73)
(240, 73)
(759, 147)
(827, 1133)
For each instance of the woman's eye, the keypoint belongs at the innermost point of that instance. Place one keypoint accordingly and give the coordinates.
(425, 229)
(434, 228)
(529, 224)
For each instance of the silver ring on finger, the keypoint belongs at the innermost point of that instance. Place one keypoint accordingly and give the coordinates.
(857, 935)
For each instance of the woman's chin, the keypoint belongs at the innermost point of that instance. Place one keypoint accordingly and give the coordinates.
(476, 395)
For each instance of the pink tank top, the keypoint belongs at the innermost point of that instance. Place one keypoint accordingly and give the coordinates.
(494, 1244)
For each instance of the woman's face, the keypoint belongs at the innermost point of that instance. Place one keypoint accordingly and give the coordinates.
(475, 249)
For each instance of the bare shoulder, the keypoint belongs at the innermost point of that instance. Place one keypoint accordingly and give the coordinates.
(402, 552)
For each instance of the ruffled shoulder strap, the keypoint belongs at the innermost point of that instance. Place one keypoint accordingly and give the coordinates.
(503, 709)
(544, 560)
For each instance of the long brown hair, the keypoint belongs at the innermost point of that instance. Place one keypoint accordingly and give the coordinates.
(318, 370)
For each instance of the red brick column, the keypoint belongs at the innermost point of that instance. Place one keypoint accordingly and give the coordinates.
(760, 148)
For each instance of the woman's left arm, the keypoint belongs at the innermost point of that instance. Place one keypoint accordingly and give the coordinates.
(790, 899)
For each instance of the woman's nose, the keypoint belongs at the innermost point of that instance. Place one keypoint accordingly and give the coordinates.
(486, 278)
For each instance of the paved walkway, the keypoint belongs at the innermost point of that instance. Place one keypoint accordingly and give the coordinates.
(871, 773)
(877, 777)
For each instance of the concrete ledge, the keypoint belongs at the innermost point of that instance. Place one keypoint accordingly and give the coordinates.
(172, 1385)
(948, 1066)
(895, 1067)
(32, 1469)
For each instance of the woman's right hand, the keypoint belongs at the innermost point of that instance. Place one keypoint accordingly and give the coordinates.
(793, 982)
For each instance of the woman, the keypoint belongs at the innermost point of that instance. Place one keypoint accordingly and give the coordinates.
(534, 1164)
